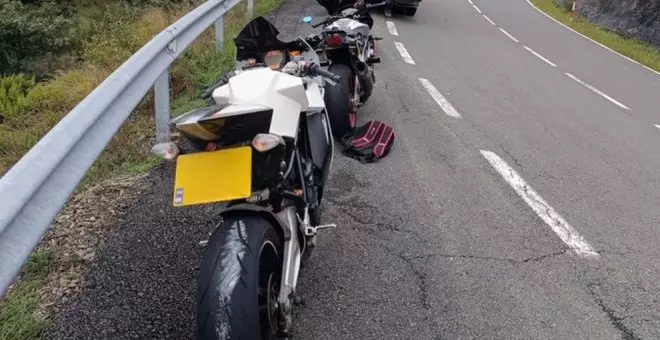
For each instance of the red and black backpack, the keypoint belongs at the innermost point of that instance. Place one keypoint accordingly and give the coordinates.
(370, 142)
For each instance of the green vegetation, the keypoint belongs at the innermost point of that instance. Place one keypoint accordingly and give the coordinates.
(40, 84)
(18, 319)
(635, 49)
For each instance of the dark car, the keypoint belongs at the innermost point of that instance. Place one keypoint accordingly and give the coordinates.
(405, 7)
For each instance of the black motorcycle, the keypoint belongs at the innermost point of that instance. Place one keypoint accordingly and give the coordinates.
(349, 47)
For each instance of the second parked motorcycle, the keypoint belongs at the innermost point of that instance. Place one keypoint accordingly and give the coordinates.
(347, 44)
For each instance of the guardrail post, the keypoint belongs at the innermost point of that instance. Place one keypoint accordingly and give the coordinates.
(162, 106)
(250, 8)
(220, 33)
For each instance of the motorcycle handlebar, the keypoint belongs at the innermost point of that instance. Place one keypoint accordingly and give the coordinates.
(377, 4)
(316, 69)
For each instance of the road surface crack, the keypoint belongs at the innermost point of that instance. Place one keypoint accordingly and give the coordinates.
(515, 160)
(542, 257)
(420, 277)
(471, 257)
(491, 258)
(616, 321)
(347, 208)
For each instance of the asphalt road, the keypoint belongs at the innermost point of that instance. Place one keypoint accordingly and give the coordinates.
(521, 204)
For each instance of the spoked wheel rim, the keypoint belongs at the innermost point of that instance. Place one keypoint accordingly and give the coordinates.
(268, 311)
(269, 283)
(352, 102)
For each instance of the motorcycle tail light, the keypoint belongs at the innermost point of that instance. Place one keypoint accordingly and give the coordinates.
(334, 40)
(265, 141)
(167, 151)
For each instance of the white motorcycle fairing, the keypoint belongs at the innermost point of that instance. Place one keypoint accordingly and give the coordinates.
(350, 26)
(282, 92)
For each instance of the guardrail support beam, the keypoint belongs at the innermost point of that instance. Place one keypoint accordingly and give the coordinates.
(162, 107)
(220, 34)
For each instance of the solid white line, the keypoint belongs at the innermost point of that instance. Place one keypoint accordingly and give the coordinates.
(597, 91)
(593, 41)
(488, 19)
(540, 56)
(564, 230)
(391, 28)
(440, 99)
(509, 35)
(477, 8)
(404, 54)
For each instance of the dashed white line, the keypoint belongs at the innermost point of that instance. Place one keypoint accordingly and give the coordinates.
(404, 53)
(548, 214)
(540, 56)
(593, 41)
(440, 99)
(657, 125)
(477, 8)
(391, 28)
(509, 35)
(597, 91)
(471, 3)
(488, 19)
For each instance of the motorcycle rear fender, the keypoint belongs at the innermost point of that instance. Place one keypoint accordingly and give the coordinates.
(245, 209)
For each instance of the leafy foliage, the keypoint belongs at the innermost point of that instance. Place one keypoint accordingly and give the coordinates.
(13, 95)
(28, 31)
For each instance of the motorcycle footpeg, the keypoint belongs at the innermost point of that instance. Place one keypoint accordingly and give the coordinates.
(310, 231)
(374, 60)
(377, 38)
(324, 63)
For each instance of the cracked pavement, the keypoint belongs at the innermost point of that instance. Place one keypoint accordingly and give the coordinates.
(431, 243)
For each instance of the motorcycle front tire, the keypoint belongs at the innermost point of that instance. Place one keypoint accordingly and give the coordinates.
(240, 257)
(337, 100)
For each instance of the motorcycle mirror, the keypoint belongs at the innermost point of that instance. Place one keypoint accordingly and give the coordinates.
(307, 19)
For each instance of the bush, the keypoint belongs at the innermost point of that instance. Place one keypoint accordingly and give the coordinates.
(13, 95)
(566, 5)
(28, 32)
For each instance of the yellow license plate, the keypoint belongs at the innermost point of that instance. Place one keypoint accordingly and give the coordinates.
(218, 176)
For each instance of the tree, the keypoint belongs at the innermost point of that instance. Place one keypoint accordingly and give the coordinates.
(29, 31)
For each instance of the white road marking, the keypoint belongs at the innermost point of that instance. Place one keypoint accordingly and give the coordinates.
(597, 91)
(477, 8)
(391, 28)
(657, 125)
(471, 3)
(440, 99)
(540, 56)
(488, 19)
(565, 232)
(509, 35)
(404, 54)
(593, 41)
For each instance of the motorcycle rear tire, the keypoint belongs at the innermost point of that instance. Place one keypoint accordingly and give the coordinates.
(239, 255)
(337, 100)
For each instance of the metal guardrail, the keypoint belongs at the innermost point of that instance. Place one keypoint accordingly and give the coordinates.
(36, 188)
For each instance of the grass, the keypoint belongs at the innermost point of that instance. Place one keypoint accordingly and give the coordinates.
(18, 319)
(632, 48)
(36, 108)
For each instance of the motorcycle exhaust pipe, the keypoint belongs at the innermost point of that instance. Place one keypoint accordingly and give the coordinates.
(366, 78)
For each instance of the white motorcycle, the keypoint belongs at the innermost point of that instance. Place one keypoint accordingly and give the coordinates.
(264, 147)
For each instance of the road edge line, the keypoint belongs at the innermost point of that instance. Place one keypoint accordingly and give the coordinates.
(592, 40)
